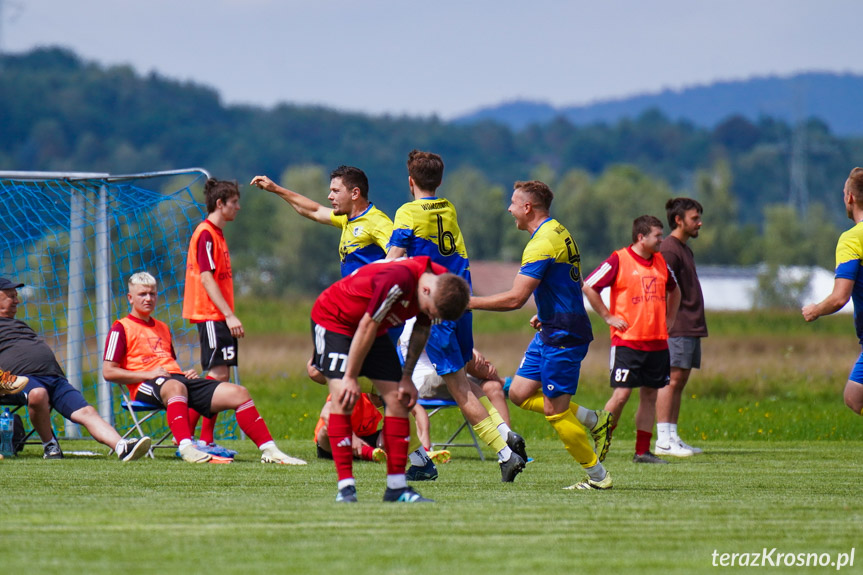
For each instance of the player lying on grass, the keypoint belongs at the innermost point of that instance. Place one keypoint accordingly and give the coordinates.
(350, 320)
(45, 385)
(140, 354)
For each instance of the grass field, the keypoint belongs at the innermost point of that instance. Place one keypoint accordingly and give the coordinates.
(782, 470)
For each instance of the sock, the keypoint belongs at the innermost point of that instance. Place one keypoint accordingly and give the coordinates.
(366, 452)
(266, 445)
(574, 438)
(120, 444)
(419, 457)
(194, 416)
(642, 441)
(340, 443)
(586, 417)
(208, 427)
(498, 421)
(414, 438)
(596, 472)
(672, 431)
(397, 481)
(487, 431)
(183, 443)
(396, 430)
(663, 434)
(177, 414)
(346, 482)
(252, 424)
(534, 403)
(49, 442)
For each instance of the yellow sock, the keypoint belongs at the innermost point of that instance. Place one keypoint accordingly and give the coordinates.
(487, 431)
(492, 410)
(415, 440)
(574, 438)
(534, 403)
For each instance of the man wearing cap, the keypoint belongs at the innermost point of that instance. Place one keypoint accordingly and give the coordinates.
(24, 353)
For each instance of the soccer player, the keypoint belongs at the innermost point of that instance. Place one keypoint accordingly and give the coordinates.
(365, 229)
(547, 378)
(208, 300)
(139, 354)
(350, 320)
(684, 339)
(428, 226)
(644, 301)
(365, 233)
(366, 439)
(847, 285)
(45, 385)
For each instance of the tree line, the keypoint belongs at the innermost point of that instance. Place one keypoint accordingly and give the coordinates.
(59, 112)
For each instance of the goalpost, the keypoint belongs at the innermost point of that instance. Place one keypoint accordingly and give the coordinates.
(74, 239)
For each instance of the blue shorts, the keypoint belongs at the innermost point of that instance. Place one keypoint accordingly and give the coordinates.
(857, 371)
(450, 344)
(558, 368)
(63, 397)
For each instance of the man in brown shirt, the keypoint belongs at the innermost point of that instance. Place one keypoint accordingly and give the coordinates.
(684, 339)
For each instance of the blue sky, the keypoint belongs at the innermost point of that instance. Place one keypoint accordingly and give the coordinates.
(443, 57)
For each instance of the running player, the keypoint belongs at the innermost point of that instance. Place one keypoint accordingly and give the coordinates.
(548, 375)
(428, 226)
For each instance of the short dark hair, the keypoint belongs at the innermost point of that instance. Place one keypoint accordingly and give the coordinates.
(352, 178)
(642, 226)
(426, 169)
(452, 296)
(540, 194)
(215, 190)
(678, 207)
(855, 183)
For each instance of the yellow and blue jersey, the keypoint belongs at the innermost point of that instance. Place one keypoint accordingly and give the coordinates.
(364, 238)
(429, 227)
(551, 256)
(849, 258)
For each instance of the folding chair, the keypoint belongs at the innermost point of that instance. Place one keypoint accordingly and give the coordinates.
(436, 405)
(15, 402)
(133, 408)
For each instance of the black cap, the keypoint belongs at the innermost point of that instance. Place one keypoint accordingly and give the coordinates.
(9, 284)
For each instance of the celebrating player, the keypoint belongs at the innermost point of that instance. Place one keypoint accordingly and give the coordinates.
(548, 375)
(429, 226)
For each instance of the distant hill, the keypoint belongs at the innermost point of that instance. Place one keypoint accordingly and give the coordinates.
(833, 98)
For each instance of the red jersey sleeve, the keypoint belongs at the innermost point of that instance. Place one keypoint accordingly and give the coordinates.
(388, 288)
(603, 276)
(115, 345)
(204, 252)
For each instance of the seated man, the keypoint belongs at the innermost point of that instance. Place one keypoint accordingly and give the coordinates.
(25, 353)
(367, 441)
(139, 354)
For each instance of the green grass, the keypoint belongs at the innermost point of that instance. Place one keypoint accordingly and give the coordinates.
(778, 472)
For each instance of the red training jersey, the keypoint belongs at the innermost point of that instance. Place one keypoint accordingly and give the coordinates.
(387, 291)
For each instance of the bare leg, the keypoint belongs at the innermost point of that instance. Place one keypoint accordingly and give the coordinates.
(98, 427)
(617, 401)
(854, 396)
(669, 397)
(39, 409)
(645, 417)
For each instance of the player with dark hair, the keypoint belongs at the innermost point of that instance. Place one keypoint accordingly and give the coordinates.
(208, 299)
(644, 302)
(350, 320)
(428, 226)
(684, 338)
(365, 229)
(848, 285)
(139, 353)
(547, 377)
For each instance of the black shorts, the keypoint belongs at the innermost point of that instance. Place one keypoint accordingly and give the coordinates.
(200, 392)
(370, 439)
(218, 346)
(331, 356)
(637, 368)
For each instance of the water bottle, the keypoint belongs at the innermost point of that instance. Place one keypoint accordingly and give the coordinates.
(6, 430)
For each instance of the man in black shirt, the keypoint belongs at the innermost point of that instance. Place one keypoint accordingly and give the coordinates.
(24, 353)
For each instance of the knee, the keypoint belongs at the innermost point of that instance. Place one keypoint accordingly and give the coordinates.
(854, 402)
(38, 398)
